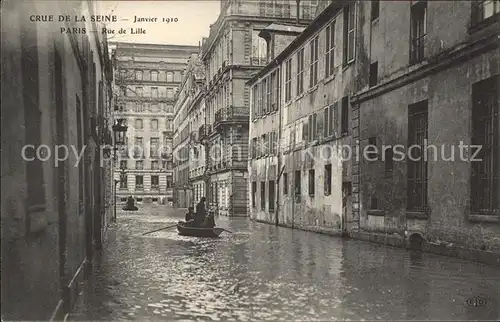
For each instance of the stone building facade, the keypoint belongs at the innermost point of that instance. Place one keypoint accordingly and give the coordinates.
(146, 78)
(429, 86)
(231, 54)
(188, 152)
(55, 92)
(431, 83)
(299, 124)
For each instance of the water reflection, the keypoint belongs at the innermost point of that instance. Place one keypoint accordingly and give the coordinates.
(262, 272)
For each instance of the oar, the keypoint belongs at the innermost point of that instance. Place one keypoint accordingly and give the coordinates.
(227, 230)
(149, 232)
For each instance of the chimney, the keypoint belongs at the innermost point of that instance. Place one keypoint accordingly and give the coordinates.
(298, 11)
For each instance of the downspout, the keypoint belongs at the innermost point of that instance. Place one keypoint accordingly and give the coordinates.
(280, 169)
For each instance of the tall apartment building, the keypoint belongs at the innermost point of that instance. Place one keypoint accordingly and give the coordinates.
(56, 89)
(147, 77)
(189, 170)
(430, 83)
(299, 119)
(231, 53)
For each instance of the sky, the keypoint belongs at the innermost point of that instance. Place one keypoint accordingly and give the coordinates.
(194, 18)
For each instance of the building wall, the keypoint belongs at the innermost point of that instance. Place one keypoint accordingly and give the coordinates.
(457, 55)
(47, 214)
(322, 208)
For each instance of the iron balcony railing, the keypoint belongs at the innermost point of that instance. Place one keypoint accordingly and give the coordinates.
(231, 114)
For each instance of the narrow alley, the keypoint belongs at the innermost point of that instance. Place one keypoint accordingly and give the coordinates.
(262, 272)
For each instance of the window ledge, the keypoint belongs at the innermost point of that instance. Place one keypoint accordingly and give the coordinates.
(299, 97)
(329, 79)
(376, 212)
(312, 89)
(484, 217)
(417, 214)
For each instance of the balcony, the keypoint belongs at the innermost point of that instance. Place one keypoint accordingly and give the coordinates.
(231, 115)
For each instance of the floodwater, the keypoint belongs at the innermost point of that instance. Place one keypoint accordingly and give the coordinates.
(262, 272)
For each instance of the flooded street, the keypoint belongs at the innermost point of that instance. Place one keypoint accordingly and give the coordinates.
(262, 272)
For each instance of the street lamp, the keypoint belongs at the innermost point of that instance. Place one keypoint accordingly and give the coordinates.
(119, 130)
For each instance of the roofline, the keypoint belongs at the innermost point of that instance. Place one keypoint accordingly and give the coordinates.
(321, 20)
(131, 44)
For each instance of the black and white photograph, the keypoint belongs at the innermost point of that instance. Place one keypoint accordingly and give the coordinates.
(250, 160)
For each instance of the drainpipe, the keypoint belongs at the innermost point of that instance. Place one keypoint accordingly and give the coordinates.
(298, 11)
(280, 169)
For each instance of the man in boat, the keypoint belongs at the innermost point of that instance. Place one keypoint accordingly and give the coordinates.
(200, 212)
(190, 216)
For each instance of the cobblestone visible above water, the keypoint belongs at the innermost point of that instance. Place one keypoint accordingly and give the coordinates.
(262, 272)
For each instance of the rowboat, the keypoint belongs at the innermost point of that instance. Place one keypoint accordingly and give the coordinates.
(197, 231)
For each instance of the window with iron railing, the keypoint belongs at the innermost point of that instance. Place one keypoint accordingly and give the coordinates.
(155, 182)
(300, 71)
(418, 31)
(485, 168)
(139, 182)
(313, 70)
(484, 11)
(417, 163)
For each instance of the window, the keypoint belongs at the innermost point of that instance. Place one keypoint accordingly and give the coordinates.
(344, 125)
(371, 151)
(275, 90)
(373, 203)
(123, 164)
(254, 194)
(485, 174)
(154, 91)
(154, 124)
(285, 183)
(139, 182)
(389, 161)
(300, 71)
(326, 118)
(330, 50)
(272, 188)
(170, 93)
(269, 94)
(123, 181)
(122, 74)
(138, 91)
(418, 31)
(138, 147)
(170, 77)
(417, 164)
(313, 76)
(483, 10)
(288, 80)
(155, 182)
(169, 182)
(138, 75)
(349, 37)
(154, 147)
(313, 129)
(139, 165)
(305, 131)
(328, 179)
(311, 182)
(375, 9)
(154, 76)
(298, 188)
(373, 74)
(331, 118)
(259, 49)
(138, 124)
(262, 195)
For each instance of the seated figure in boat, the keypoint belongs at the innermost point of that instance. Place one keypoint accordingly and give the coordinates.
(200, 213)
(209, 221)
(130, 204)
(190, 217)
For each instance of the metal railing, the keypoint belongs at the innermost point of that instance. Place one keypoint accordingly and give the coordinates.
(232, 114)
